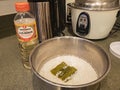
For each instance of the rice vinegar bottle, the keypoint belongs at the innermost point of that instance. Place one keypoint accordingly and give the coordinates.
(26, 31)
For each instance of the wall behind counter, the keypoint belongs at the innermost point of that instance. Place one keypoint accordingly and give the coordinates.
(8, 6)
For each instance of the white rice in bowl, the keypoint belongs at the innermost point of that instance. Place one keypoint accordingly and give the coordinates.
(85, 72)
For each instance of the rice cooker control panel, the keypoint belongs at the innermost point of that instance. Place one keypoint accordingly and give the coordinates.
(83, 24)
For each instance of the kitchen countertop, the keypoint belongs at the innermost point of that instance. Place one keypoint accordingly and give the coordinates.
(13, 76)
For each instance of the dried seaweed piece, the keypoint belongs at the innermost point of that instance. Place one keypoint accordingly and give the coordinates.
(59, 68)
(67, 73)
(63, 71)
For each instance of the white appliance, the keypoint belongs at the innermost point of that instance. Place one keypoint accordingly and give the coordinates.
(93, 19)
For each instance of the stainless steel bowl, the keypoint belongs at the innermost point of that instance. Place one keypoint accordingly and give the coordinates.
(68, 45)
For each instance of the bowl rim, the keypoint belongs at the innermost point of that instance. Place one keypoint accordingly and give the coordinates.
(71, 86)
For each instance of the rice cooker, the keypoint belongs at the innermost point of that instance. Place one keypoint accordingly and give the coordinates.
(93, 19)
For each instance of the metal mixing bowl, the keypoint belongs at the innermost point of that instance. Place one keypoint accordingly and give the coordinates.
(68, 45)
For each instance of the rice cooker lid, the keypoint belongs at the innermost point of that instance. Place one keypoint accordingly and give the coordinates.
(96, 4)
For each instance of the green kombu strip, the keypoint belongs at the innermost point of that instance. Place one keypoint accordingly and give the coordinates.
(63, 71)
(68, 72)
(58, 68)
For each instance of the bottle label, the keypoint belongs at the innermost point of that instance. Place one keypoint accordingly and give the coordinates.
(26, 32)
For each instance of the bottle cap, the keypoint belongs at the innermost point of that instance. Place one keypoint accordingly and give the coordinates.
(22, 6)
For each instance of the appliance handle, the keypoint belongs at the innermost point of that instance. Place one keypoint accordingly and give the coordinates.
(118, 14)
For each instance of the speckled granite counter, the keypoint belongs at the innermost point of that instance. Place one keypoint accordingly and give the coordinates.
(13, 76)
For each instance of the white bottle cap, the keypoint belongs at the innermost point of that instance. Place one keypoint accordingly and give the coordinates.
(115, 48)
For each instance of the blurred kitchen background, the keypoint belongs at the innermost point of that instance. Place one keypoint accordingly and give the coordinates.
(52, 17)
(50, 23)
